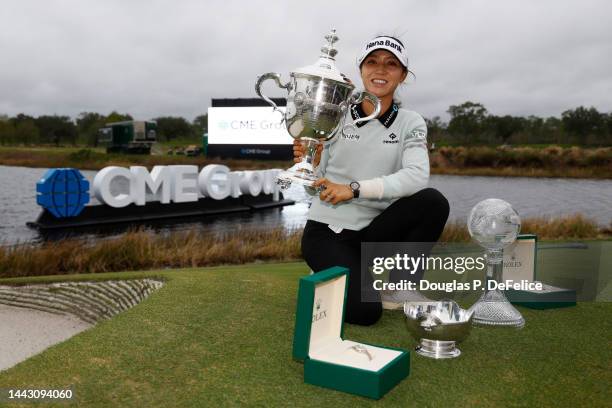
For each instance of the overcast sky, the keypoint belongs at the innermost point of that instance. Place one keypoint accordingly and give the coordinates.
(152, 58)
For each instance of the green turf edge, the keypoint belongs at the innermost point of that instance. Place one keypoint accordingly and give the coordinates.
(561, 358)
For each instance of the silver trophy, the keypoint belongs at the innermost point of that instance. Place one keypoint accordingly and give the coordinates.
(438, 327)
(494, 224)
(318, 99)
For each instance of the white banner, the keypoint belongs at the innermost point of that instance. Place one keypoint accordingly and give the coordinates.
(247, 126)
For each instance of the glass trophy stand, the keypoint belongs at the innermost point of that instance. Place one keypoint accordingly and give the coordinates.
(494, 224)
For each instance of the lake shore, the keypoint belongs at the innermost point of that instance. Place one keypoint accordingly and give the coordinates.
(552, 161)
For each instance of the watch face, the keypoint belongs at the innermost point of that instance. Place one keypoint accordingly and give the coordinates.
(354, 185)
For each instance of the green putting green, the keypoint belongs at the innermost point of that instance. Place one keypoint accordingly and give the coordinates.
(223, 336)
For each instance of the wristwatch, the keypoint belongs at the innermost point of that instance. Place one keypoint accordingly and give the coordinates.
(355, 187)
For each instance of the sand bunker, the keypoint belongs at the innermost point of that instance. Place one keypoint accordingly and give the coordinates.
(26, 332)
(35, 317)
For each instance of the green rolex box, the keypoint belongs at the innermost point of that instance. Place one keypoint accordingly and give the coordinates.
(520, 264)
(330, 360)
(549, 297)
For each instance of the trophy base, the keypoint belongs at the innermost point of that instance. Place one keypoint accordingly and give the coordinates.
(437, 349)
(298, 174)
(493, 309)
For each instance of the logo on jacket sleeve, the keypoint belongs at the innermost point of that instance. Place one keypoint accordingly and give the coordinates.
(419, 134)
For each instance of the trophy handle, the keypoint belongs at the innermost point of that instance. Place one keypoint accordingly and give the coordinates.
(276, 78)
(350, 128)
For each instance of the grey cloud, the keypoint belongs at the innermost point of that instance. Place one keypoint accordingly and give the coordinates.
(154, 58)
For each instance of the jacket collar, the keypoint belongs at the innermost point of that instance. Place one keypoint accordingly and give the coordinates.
(386, 119)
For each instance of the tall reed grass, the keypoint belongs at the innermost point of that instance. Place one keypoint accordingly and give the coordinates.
(87, 159)
(551, 161)
(143, 249)
(547, 228)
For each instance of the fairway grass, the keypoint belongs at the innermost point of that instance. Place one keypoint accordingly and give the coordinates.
(222, 336)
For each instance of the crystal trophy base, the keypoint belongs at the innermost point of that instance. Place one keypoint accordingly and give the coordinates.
(437, 349)
(493, 309)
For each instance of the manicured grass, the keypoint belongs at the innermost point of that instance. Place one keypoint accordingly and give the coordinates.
(222, 336)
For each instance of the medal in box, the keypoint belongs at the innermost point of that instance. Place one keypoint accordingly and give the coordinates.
(330, 360)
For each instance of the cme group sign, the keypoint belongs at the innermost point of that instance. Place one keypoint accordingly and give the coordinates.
(180, 184)
(65, 192)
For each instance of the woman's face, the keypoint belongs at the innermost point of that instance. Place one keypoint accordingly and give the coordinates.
(381, 73)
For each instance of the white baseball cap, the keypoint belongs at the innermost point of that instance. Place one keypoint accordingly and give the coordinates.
(383, 42)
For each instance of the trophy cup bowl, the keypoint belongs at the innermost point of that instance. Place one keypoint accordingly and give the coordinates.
(438, 327)
(318, 99)
(494, 225)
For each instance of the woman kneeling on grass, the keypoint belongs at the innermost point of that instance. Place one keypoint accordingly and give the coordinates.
(375, 185)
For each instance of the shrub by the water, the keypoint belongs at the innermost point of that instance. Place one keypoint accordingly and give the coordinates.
(482, 156)
(574, 227)
(143, 249)
(551, 161)
(80, 155)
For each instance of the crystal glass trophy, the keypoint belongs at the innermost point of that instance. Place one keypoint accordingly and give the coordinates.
(318, 99)
(494, 224)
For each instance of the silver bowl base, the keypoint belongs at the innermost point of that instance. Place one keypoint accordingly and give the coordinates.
(437, 349)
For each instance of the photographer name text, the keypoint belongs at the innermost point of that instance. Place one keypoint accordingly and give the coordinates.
(454, 285)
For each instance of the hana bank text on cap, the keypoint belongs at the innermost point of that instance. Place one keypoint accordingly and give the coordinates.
(390, 44)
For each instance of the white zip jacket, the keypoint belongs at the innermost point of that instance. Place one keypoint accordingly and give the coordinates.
(387, 156)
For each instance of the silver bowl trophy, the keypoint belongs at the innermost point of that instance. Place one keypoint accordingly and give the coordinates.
(318, 99)
(438, 327)
(494, 224)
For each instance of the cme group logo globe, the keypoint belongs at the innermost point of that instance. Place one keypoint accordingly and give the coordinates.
(62, 192)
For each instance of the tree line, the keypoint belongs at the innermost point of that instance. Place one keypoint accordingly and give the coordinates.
(470, 124)
(59, 130)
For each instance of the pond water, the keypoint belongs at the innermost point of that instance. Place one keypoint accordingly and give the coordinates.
(531, 197)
